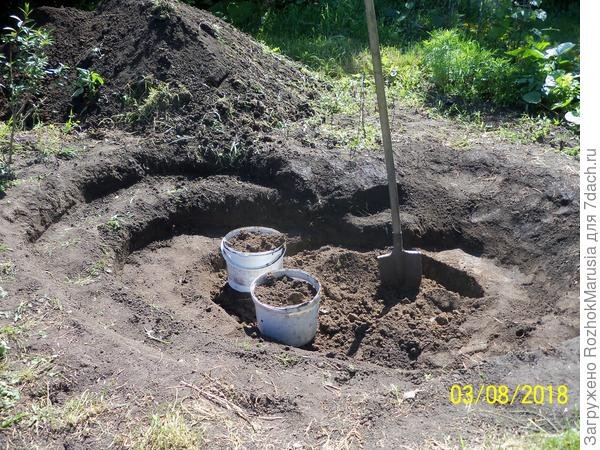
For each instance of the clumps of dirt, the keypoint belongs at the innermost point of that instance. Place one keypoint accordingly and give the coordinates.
(172, 69)
(361, 319)
(284, 291)
(254, 241)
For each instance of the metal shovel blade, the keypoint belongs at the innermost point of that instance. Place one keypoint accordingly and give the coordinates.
(401, 269)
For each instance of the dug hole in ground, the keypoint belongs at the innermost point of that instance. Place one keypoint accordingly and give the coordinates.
(125, 237)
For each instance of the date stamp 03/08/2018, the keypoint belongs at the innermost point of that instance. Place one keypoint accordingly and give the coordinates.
(500, 394)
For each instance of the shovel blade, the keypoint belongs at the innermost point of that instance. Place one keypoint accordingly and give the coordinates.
(401, 269)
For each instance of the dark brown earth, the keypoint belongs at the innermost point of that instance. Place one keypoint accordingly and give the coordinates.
(225, 87)
(284, 291)
(146, 305)
(115, 286)
(251, 241)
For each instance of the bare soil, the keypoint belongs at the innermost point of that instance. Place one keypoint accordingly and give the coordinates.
(112, 269)
(284, 291)
(252, 241)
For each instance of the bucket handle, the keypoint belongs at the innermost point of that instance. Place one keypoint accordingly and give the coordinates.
(229, 261)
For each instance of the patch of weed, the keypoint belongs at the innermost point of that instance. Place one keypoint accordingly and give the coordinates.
(171, 430)
(162, 9)
(71, 124)
(287, 359)
(97, 268)
(77, 412)
(9, 395)
(87, 85)
(10, 331)
(50, 141)
(93, 271)
(245, 345)
(7, 269)
(396, 393)
(566, 440)
(156, 99)
(114, 223)
(460, 67)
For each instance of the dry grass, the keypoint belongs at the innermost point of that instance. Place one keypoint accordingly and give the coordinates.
(172, 430)
(77, 414)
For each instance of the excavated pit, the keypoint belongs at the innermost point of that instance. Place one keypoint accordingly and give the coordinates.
(361, 319)
(161, 257)
(143, 228)
(167, 253)
(125, 237)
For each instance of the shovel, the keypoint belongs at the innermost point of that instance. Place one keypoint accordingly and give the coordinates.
(400, 268)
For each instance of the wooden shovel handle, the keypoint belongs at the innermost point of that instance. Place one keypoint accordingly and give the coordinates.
(384, 120)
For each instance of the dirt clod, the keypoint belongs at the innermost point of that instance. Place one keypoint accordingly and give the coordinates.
(254, 241)
(284, 291)
(442, 299)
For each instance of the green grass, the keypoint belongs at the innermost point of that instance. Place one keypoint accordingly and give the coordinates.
(566, 440)
(462, 68)
(169, 431)
(114, 223)
(434, 53)
(77, 412)
(150, 99)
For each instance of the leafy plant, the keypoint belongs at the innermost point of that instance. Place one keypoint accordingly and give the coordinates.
(23, 68)
(549, 75)
(87, 84)
(71, 124)
(462, 68)
(114, 223)
(9, 395)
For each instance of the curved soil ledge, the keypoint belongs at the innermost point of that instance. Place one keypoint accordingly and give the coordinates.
(127, 238)
(113, 279)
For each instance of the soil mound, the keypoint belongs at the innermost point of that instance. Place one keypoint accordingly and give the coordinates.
(171, 68)
(284, 291)
(249, 241)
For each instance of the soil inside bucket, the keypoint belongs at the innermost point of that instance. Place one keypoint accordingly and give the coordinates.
(254, 241)
(284, 291)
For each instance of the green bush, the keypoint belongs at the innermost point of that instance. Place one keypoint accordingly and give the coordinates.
(23, 69)
(462, 68)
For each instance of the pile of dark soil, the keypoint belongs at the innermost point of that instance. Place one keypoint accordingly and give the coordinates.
(252, 241)
(172, 68)
(284, 291)
(362, 319)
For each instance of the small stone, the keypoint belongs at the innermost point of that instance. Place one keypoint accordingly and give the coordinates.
(441, 320)
(353, 317)
(209, 29)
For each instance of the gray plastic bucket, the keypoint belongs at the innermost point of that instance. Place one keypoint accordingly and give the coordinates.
(244, 267)
(294, 325)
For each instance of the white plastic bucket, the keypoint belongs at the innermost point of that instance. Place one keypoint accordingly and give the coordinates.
(244, 267)
(294, 325)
